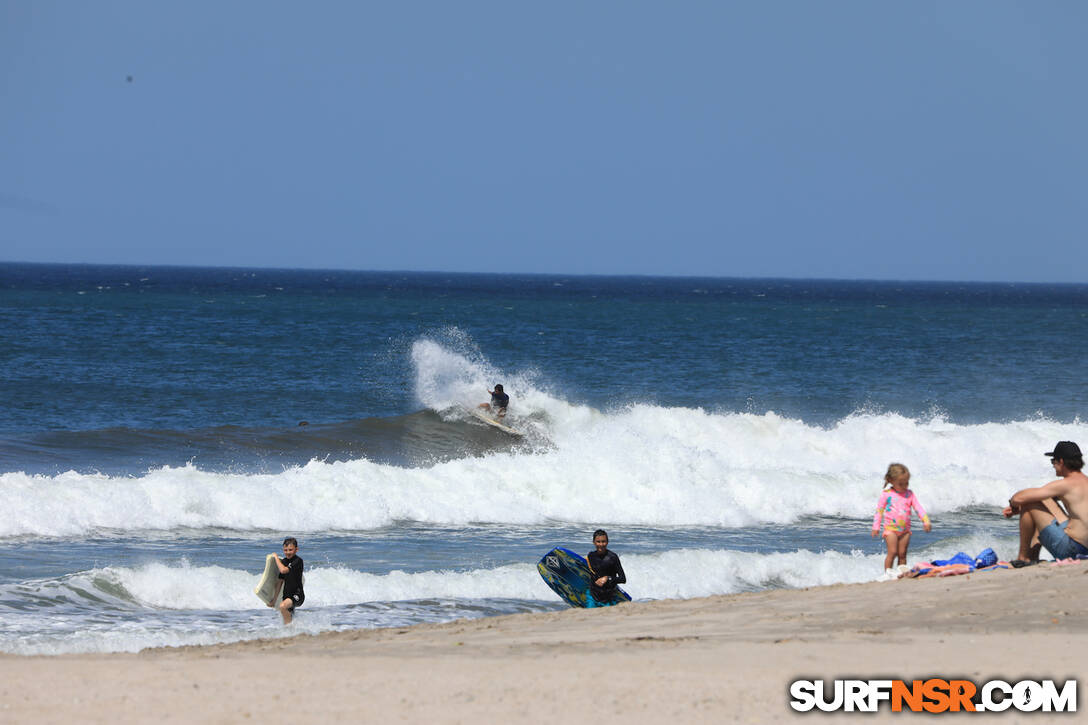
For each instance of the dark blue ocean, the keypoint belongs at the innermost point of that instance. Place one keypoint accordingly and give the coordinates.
(162, 429)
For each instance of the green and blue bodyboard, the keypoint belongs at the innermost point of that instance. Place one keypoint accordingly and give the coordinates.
(569, 576)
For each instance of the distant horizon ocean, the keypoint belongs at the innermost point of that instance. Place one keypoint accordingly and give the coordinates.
(163, 428)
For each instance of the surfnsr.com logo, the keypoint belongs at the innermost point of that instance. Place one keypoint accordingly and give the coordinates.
(933, 695)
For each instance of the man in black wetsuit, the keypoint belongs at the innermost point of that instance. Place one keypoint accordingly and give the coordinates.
(499, 401)
(607, 572)
(290, 567)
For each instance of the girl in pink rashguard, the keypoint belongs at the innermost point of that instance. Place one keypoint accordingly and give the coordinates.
(893, 510)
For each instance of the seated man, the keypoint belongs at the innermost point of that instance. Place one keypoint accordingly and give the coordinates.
(1040, 516)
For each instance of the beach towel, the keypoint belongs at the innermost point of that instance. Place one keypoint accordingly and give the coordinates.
(958, 558)
(1071, 560)
(960, 563)
(927, 570)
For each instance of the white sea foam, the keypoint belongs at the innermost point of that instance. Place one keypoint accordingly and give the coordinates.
(134, 637)
(641, 465)
(173, 605)
(682, 573)
(645, 465)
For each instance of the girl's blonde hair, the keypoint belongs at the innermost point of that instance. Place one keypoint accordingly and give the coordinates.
(895, 470)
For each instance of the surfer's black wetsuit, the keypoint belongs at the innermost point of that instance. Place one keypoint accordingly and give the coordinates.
(499, 400)
(607, 564)
(292, 580)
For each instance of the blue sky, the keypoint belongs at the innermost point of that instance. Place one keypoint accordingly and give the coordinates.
(923, 140)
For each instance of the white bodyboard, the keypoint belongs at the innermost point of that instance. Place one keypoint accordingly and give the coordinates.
(266, 588)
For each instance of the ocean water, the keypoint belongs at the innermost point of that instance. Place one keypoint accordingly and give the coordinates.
(730, 434)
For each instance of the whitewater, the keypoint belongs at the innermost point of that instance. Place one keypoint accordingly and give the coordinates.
(129, 609)
(778, 485)
(149, 465)
(645, 465)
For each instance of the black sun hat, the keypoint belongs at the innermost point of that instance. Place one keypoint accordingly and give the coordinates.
(1065, 450)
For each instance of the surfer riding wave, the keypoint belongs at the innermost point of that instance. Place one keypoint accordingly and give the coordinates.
(499, 401)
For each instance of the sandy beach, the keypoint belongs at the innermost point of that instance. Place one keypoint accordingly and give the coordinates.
(726, 658)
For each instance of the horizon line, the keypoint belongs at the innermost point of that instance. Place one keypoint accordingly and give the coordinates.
(622, 275)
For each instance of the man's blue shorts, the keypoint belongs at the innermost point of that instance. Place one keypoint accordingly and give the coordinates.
(1058, 543)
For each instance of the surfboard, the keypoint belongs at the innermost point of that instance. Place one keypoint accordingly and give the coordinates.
(492, 421)
(266, 588)
(569, 576)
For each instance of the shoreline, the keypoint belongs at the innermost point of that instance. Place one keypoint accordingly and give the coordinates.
(726, 658)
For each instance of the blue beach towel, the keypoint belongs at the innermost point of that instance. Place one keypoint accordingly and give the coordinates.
(959, 558)
(985, 558)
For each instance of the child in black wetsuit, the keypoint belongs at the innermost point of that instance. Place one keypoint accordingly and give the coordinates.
(290, 567)
(607, 572)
